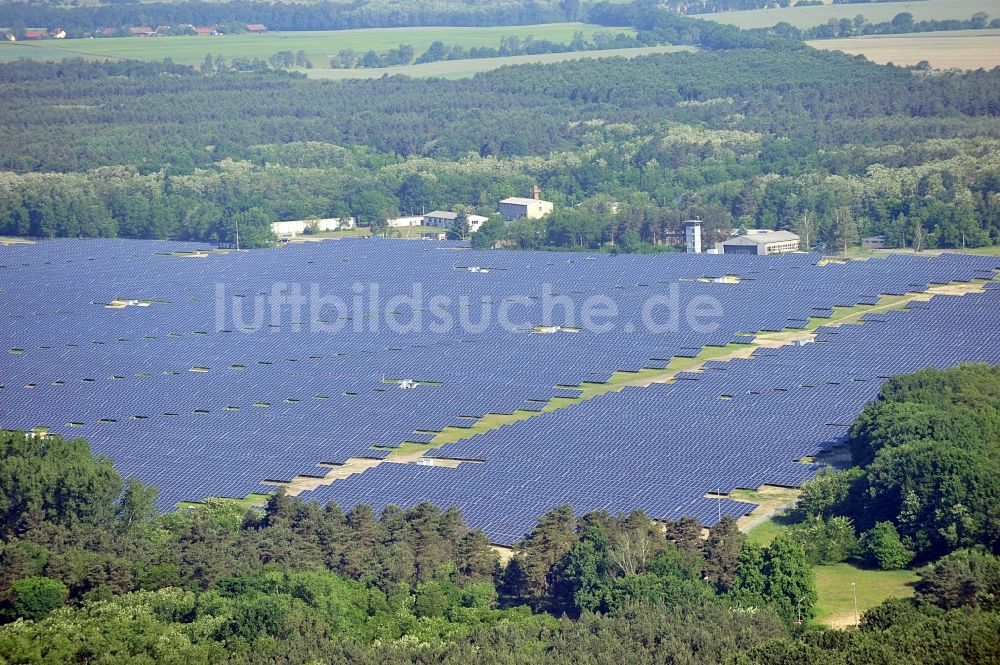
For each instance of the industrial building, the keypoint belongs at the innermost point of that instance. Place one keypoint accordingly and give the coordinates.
(447, 220)
(761, 243)
(874, 242)
(295, 227)
(517, 207)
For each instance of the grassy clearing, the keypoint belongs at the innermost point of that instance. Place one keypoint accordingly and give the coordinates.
(835, 596)
(992, 250)
(961, 49)
(762, 526)
(808, 17)
(770, 499)
(413, 232)
(453, 69)
(318, 45)
(835, 606)
(618, 381)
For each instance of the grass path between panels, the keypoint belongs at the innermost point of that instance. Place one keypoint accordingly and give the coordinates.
(412, 452)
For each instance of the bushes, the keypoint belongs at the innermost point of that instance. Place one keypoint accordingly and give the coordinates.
(968, 578)
(33, 598)
(881, 546)
(826, 540)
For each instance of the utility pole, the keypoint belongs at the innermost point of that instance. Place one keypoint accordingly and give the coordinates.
(854, 588)
(237, 234)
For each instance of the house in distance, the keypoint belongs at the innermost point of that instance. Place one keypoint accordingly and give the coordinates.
(761, 242)
(517, 207)
(446, 220)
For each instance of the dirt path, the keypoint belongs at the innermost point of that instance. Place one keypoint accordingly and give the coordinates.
(840, 621)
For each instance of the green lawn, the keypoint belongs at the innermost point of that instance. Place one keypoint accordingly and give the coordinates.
(835, 603)
(808, 17)
(317, 45)
(990, 250)
(765, 532)
(836, 596)
(356, 232)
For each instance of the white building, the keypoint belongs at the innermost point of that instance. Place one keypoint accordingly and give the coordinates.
(446, 220)
(295, 227)
(517, 207)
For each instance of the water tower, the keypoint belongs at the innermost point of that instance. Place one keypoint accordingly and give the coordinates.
(692, 234)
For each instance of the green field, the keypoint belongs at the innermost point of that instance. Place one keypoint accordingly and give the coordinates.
(835, 595)
(466, 68)
(808, 17)
(317, 45)
(835, 606)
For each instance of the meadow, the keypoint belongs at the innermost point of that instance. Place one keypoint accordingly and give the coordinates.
(960, 49)
(808, 17)
(318, 46)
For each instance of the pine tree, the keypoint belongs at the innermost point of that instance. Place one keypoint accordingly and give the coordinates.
(460, 229)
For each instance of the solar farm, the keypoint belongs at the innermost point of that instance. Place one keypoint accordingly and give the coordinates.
(195, 380)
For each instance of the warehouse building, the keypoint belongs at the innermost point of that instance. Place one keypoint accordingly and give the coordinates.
(761, 243)
(517, 207)
(296, 227)
(446, 220)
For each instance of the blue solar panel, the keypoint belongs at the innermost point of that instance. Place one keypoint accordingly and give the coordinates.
(182, 392)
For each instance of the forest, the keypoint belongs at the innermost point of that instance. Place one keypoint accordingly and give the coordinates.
(89, 572)
(828, 145)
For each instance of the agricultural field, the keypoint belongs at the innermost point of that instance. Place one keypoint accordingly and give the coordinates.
(317, 45)
(959, 49)
(453, 69)
(808, 17)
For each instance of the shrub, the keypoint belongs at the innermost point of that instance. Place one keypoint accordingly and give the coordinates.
(882, 547)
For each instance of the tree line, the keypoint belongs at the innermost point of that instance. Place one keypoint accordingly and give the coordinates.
(405, 54)
(901, 23)
(839, 149)
(325, 15)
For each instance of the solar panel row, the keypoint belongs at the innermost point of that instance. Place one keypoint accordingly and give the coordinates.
(184, 383)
